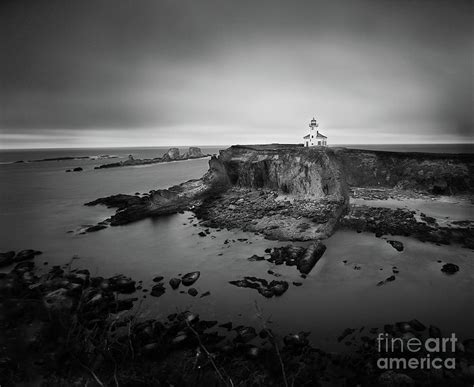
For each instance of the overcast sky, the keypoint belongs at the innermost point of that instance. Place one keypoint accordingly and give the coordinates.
(199, 72)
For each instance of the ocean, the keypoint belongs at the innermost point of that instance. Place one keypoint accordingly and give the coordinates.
(42, 207)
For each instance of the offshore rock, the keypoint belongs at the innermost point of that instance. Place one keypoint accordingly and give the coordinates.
(450, 268)
(171, 155)
(303, 258)
(190, 278)
(383, 221)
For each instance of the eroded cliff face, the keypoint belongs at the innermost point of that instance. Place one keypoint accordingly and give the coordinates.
(284, 192)
(309, 172)
(434, 173)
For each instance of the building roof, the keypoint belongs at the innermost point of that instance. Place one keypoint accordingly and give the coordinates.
(307, 136)
(321, 135)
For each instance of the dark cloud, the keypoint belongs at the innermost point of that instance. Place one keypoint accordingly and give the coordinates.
(205, 71)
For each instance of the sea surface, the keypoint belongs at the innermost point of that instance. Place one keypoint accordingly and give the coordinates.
(42, 207)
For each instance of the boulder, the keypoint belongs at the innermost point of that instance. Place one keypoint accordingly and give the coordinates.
(174, 283)
(158, 290)
(192, 292)
(450, 268)
(190, 278)
(311, 257)
(397, 245)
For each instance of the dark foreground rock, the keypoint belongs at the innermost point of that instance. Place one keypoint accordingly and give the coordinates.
(10, 257)
(301, 257)
(66, 327)
(265, 288)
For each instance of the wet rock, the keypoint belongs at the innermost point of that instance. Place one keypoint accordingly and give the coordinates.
(397, 245)
(158, 290)
(450, 268)
(205, 294)
(389, 279)
(77, 169)
(311, 257)
(95, 228)
(121, 284)
(158, 278)
(190, 278)
(255, 257)
(297, 283)
(174, 283)
(192, 292)
(180, 338)
(274, 288)
(278, 287)
(26, 254)
(303, 258)
(202, 234)
(59, 301)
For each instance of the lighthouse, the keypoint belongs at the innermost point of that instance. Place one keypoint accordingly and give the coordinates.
(314, 138)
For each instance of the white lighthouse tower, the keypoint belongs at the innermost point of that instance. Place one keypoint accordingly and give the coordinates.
(314, 138)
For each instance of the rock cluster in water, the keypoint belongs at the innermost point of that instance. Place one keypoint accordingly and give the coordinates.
(388, 221)
(171, 155)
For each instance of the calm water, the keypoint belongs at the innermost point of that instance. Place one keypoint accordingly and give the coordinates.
(40, 203)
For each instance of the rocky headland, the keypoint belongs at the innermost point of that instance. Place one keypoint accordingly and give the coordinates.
(284, 192)
(172, 154)
(288, 192)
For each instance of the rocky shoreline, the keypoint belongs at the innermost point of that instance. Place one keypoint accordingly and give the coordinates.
(66, 327)
(171, 155)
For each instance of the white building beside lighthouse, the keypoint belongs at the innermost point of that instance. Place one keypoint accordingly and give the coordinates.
(314, 138)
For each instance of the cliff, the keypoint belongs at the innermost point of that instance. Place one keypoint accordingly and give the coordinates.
(445, 174)
(285, 192)
(312, 172)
